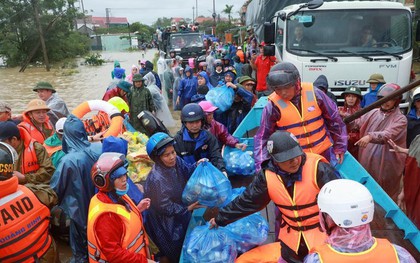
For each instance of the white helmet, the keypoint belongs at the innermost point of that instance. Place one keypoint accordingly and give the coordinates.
(347, 202)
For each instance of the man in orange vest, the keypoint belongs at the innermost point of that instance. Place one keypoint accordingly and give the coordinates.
(22, 214)
(303, 110)
(115, 225)
(346, 209)
(33, 167)
(291, 179)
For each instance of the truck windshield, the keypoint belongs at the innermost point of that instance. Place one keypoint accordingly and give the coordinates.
(186, 41)
(349, 32)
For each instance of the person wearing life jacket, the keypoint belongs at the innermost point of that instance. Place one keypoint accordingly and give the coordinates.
(291, 179)
(36, 121)
(22, 213)
(346, 208)
(115, 225)
(53, 144)
(33, 167)
(303, 110)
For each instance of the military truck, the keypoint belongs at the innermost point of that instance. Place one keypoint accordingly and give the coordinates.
(187, 45)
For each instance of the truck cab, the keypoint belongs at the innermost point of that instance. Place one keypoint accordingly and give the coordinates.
(346, 41)
(187, 45)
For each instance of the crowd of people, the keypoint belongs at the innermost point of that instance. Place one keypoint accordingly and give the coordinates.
(48, 156)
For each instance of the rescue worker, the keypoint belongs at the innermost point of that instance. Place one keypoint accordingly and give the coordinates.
(33, 167)
(115, 225)
(53, 144)
(193, 142)
(291, 179)
(36, 121)
(304, 111)
(19, 202)
(346, 208)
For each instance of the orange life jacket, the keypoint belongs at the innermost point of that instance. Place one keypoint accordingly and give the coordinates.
(52, 149)
(134, 240)
(24, 224)
(308, 126)
(381, 251)
(33, 131)
(29, 159)
(300, 212)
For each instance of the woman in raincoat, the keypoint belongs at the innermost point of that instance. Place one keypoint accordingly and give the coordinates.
(168, 217)
(187, 88)
(162, 110)
(178, 76)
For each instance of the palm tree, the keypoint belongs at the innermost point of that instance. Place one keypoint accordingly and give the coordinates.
(228, 11)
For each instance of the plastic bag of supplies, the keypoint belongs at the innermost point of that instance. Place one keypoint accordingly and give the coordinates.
(249, 232)
(221, 97)
(239, 162)
(209, 245)
(207, 185)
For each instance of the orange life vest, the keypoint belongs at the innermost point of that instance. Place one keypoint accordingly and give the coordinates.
(134, 240)
(300, 212)
(308, 126)
(52, 149)
(24, 224)
(33, 131)
(29, 159)
(381, 251)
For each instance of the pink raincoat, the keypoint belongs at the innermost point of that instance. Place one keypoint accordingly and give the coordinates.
(385, 167)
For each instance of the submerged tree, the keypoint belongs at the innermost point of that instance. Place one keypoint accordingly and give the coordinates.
(20, 40)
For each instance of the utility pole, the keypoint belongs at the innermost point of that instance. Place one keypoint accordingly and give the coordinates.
(107, 18)
(196, 9)
(193, 12)
(214, 18)
(41, 34)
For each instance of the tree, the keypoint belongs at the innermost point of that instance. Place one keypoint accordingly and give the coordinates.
(20, 41)
(162, 22)
(228, 11)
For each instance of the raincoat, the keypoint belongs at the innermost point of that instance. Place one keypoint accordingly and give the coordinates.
(210, 61)
(139, 99)
(216, 77)
(161, 65)
(187, 88)
(333, 121)
(162, 110)
(194, 149)
(370, 97)
(73, 184)
(149, 68)
(58, 108)
(168, 80)
(119, 145)
(206, 77)
(412, 182)
(54, 141)
(175, 87)
(121, 74)
(413, 125)
(222, 134)
(322, 83)
(385, 167)
(240, 107)
(353, 131)
(168, 217)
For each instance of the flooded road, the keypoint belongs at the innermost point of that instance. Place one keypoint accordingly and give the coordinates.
(89, 82)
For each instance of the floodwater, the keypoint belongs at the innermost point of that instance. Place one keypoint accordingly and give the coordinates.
(87, 83)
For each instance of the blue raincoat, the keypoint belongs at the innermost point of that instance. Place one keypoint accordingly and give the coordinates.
(370, 97)
(73, 185)
(119, 145)
(168, 217)
(187, 88)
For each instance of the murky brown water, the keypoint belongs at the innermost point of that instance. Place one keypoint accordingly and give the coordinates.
(89, 83)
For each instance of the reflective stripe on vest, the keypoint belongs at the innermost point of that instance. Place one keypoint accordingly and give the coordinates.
(300, 212)
(134, 238)
(29, 159)
(23, 227)
(308, 125)
(381, 251)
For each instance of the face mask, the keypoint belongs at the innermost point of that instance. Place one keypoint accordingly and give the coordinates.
(122, 192)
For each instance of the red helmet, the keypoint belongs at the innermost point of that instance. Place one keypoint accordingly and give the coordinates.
(201, 65)
(387, 89)
(104, 167)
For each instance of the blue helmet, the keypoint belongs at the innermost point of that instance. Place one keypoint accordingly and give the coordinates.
(192, 112)
(157, 143)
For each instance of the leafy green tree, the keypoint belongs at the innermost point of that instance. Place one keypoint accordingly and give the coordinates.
(222, 27)
(162, 22)
(19, 39)
(228, 11)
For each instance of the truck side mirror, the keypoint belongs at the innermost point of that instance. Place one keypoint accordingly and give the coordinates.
(314, 4)
(269, 32)
(269, 50)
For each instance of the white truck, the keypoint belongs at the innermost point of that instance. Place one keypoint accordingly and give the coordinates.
(345, 41)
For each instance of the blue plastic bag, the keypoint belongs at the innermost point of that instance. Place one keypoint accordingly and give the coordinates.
(208, 186)
(209, 245)
(249, 232)
(221, 97)
(235, 193)
(239, 162)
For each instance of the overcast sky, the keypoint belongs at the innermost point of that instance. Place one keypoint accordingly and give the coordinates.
(148, 11)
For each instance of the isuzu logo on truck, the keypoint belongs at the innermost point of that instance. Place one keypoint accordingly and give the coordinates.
(352, 82)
